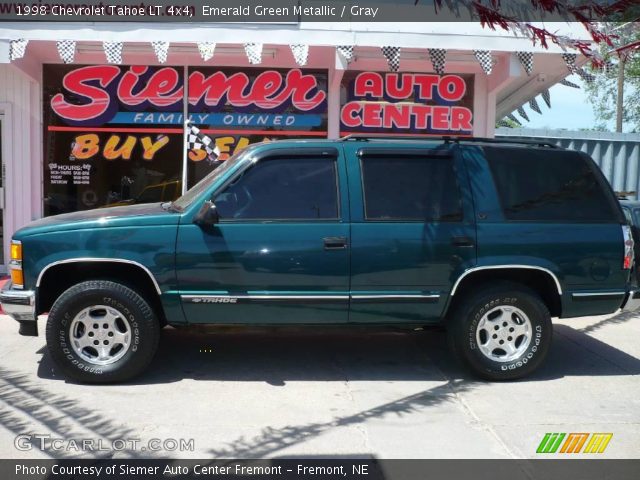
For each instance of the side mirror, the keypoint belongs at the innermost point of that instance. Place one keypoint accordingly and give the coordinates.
(208, 214)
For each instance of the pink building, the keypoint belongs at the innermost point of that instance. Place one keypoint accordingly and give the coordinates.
(97, 132)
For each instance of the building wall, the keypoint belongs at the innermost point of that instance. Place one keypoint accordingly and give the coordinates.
(617, 154)
(20, 103)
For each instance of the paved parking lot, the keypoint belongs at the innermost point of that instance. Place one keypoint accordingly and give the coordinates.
(325, 393)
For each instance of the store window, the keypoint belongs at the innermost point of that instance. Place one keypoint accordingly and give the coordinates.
(114, 134)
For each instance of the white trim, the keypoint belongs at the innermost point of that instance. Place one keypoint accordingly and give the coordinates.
(503, 267)
(102, 260)
(360, 297)
(597, 294)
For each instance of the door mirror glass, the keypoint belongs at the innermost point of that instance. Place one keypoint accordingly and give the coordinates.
(208, 214)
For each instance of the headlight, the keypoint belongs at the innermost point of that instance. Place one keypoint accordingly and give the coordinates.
(17, 276)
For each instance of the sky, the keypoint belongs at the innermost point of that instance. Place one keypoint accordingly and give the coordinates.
(570, 109)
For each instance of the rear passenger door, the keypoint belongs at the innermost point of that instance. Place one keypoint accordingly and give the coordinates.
(412, 231)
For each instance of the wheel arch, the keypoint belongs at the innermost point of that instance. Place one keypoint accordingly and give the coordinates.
(58, 276)
(540, 279)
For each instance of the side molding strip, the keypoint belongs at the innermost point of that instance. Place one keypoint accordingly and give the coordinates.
(597, 294)
(102, 260)
(502, 267)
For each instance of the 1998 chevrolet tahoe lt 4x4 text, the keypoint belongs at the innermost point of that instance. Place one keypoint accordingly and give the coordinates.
(490, 238)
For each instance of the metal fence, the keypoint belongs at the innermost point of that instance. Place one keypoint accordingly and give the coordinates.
(617, 154)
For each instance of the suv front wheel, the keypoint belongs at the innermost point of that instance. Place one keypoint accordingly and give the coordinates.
(502, 332)
(101, 331)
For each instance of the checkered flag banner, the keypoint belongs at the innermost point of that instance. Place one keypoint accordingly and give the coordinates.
(346, 51)
(533, 104)
(161, 49)
(113, 52)
(300, 53)
(522, 113)
(567, 83)
(438, 57)
(206, 50)
(196, 140)
(513, 118)
(66, 50)
(485, 59)
(586, 76)
(17, 48)
(392, 54)
(546, 96)
(526, 60)
(254, 52)
(570, 60)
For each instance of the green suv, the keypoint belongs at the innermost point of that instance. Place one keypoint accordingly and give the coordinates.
(490, 238)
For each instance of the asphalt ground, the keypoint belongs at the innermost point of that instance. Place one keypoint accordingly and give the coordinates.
(329, 393)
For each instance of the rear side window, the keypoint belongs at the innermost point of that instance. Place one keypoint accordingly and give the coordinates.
(410, 188)
(543, 185)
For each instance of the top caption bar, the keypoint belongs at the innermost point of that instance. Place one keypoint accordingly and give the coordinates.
(269, 11)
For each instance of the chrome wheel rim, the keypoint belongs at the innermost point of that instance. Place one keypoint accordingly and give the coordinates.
(504, 333)
(100, 335)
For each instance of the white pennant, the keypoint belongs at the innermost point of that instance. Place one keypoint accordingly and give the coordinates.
(254, 52)
(485, 59)
(526, 60)
(300, 53)
(17, 48)
(346, 51)
(66, 50)
(392, 54)
(161, 49)
(206, 50)
(113, 52)
(438, 57)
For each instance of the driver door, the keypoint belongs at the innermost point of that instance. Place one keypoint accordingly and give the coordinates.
(279, 253)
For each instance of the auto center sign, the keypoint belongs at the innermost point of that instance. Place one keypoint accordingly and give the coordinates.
(415, 103)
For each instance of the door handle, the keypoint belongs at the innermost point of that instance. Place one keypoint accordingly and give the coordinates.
(335, 243)
(462, 242)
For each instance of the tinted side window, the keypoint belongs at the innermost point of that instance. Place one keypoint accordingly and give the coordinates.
(550, 186)
(411, 188)
(283, 189)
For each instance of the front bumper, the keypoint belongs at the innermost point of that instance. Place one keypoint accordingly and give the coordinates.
(21, 306)
(631, 301)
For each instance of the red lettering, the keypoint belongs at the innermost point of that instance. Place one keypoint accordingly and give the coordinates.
(421, 113)
(399, 92)
(396, 115)
(350, 115)
(440, 118)
(262, 92)
(461, 118)
(425, 83)
(160, 90)
(371, 115)
(451, 88)
(76, 83)
(369, 83)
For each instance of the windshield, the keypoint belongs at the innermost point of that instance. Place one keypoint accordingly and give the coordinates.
(195, 191)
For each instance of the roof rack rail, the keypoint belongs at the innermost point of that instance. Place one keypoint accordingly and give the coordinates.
(447, 139)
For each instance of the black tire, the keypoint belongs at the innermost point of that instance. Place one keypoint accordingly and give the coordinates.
(144, 331)
(463, 327)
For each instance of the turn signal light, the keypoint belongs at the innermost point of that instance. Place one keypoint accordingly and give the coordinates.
(16, 251)
(17, 277)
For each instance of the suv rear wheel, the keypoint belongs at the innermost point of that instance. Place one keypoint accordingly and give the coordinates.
(101, 331)
(502, 332)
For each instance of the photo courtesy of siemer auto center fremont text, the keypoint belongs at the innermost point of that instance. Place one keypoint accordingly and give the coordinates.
(320, 240)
